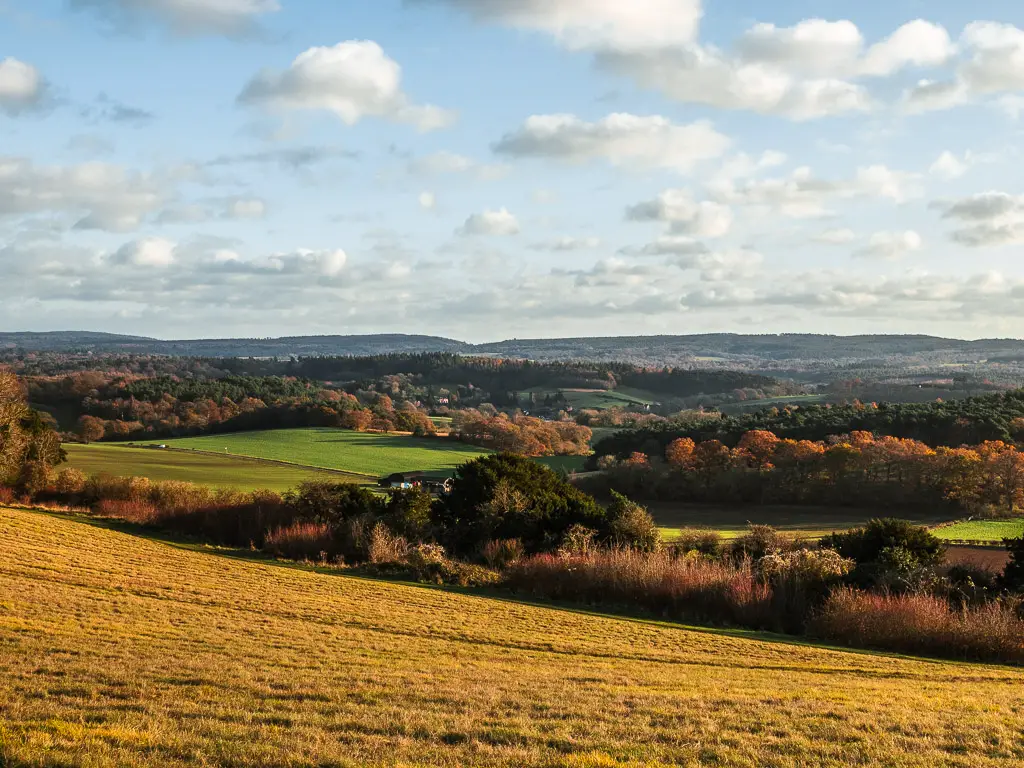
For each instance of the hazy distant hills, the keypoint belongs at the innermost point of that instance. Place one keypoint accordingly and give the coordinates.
(709, 350)
(299, 346)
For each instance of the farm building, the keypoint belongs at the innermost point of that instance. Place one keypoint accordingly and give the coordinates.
(410, 480)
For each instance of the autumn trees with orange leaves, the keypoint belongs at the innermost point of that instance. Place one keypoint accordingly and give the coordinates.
(858, 468)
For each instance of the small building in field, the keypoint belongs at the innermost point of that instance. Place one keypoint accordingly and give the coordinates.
(409, 480)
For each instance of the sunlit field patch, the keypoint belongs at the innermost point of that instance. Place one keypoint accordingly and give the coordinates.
(119, 650)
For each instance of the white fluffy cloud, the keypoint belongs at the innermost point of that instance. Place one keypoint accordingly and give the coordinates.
(229, 17)
(150, 252)
(993, 218)
(246, 208)
(621, 139)
(918, 43)
(707, 76)
(325, 263)
(21, 86)
(949, 166)
(593, 23)
(820, 48)
(670, 245)
(804, 195)
(687, 217)
(498, 223)
(991, 64)
(891, 245)
(352, 80)
(99, 195)
(568, 244)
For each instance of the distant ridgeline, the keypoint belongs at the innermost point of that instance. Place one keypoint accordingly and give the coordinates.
(949, 423)
(696, 351)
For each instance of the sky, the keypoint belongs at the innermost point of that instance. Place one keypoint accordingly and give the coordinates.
(492, 169)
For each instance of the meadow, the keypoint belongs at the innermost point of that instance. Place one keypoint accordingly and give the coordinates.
(595, 399)
(982, 530)
(360, 453)
(128, 651)
(732, 520)
(203, 469)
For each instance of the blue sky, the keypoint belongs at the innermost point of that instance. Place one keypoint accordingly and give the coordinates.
(493, 168)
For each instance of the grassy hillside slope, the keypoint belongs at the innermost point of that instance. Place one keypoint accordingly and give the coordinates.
(213, 471)
(360, 453)
(117, 650)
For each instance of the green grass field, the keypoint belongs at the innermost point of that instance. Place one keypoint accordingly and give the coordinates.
(595, 399)
(124, 651)
(203, 469)
(733, 520)
(360, 453)
(982, 530)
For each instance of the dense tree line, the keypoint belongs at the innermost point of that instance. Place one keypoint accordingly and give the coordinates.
(859, 469)
(945, 423)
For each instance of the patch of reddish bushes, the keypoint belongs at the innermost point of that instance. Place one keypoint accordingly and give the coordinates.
(922, 624)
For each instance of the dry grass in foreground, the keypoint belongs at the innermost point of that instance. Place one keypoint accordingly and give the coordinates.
(120, 651)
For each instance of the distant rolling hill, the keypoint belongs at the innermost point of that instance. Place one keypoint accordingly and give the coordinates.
(708, 350)
(311, 346)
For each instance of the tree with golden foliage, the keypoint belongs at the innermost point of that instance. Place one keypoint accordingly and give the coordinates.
(29, 447)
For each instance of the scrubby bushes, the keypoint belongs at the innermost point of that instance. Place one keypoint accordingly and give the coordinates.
(921, 624)
(301, 541)
(893, 539)
(1013, 576)
(685, 588)
(509, 497)
(703, 542)
(878, 586)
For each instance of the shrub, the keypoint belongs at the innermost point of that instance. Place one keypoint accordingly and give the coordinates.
(691, 589)
(385, 547)
(504, 496)
(704, 542)
(131, 511)
(971, 584)
(7, 495)
(806, 565)
(335, 503)
(801, 580)
(632, 525)
(430, 563)
(501, 553)
(1013, 576)
(71, 482)
(868, 544)
(578, 540)
(921, 624)
(301, 541)
(759, 541)
(408, 513)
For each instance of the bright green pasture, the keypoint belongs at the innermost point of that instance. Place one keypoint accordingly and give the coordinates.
(982, 530)
(361, 453)
(203, 469)
(799, 521)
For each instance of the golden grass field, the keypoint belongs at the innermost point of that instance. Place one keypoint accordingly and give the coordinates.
(117, 650)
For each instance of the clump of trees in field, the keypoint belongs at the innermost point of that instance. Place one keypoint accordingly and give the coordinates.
(524, 435)
(858, 469)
